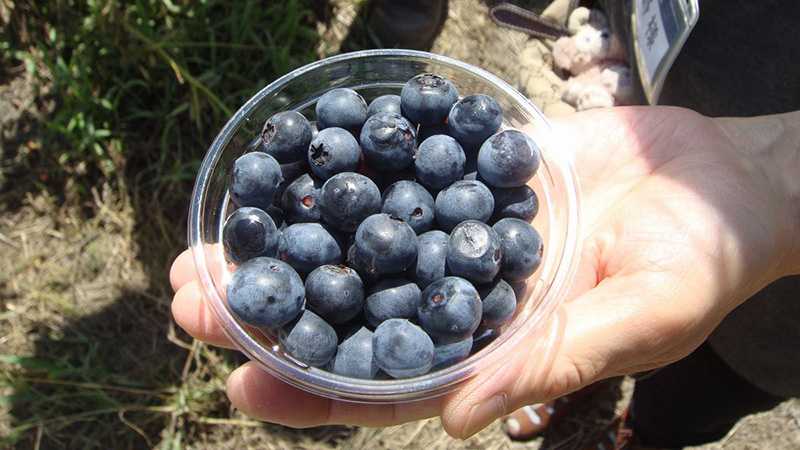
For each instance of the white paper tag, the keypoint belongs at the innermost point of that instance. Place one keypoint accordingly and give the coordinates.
(660, 28)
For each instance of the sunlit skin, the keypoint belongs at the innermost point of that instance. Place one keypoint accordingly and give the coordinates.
(684, 217)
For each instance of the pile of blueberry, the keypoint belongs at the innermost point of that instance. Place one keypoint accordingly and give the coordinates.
(392, 240)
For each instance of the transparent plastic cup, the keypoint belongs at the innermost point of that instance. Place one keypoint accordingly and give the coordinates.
(373, 73)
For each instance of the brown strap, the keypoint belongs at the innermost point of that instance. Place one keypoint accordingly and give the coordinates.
(520, 19)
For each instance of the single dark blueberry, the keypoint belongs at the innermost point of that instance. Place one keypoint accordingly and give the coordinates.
(354, 357)
(463, 200)
(474, 252)
(300, 200)
(411, 202)
(450, 310)
(384, 245)
(384, 103)
(347, 199)
(333, 151)
(335, 293)
(427, 98)
(255, 180)
(508, 159)
(446, 355)
(473, 119)
(265, 292)
(286, 136)
(309, 340)
(249, 233)
(391, 298)
(499, 303)
(522, 248)
(388, 141)
(402, 349)
(439, 162)
(431, 257)
(343, 108)
(517, 202)
(306, 246)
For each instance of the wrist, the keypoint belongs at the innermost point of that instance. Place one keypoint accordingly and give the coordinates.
(771, 146)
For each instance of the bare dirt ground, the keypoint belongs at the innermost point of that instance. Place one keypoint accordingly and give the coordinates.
(89, 296)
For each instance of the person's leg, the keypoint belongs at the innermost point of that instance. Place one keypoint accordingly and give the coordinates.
(406, 24)
(692, 401)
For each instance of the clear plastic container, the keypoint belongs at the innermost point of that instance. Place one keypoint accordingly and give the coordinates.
(372, 73)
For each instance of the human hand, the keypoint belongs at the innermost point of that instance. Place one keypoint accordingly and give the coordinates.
(684, 218)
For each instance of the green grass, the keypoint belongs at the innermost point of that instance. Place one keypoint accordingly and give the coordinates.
(140, 88)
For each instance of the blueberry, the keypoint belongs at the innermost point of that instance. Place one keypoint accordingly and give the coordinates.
(309, 340)
(388, 141)
(473, 119)
(300, 200)
(499, 303)
(463, 200)
(347, 199)
(354, 357)
(333, 151)
(450, 310)
(343, 108)
(335, 293)
(517, 202)
(427, 98)
(384, 103)
(314, 129)
(522, 248)
(439, 162)
(286, 136)
(306, 246)
(508, 159)
(255, 180)
(384, 245)
(249, 233)
(431, 257)
(474, 252)
(411, 202)
(402, 349)
(265, 292)
(446, 355)
(391, 298)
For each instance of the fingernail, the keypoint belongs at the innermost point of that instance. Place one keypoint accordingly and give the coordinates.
(484, 413)
(512, 426)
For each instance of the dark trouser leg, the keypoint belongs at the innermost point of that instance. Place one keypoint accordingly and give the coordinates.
(693, 401)
(407, 24)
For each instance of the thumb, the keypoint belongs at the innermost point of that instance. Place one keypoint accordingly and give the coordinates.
(608, 331)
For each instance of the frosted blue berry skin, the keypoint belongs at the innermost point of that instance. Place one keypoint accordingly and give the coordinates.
(426, 99)
(450, 310)
(402, 349)
(508, 159)
(266, 293)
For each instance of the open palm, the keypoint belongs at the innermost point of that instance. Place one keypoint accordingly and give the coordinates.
(680, 227)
